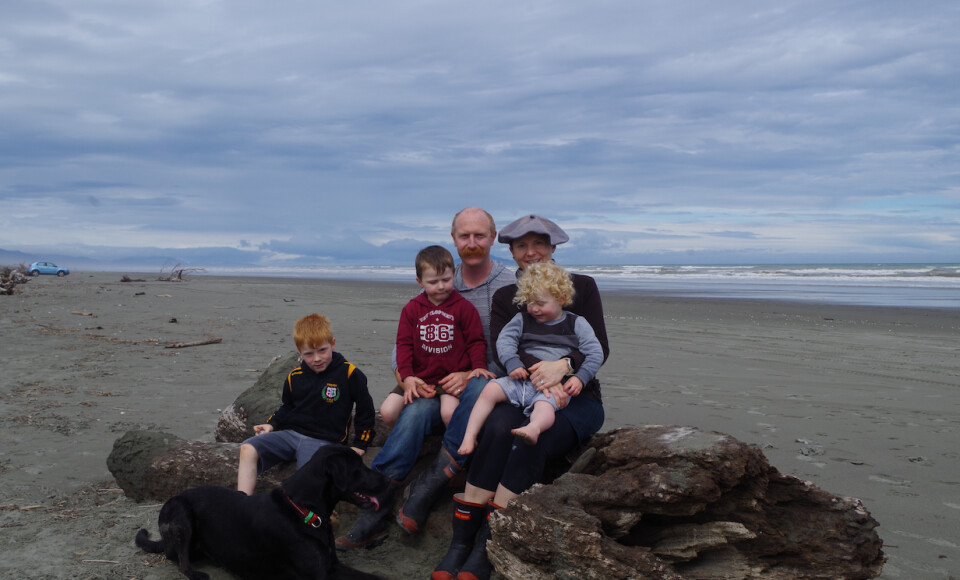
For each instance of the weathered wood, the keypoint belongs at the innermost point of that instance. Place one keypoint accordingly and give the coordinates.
(679, 503)
(194, 343)
(155, 465)
(661, 502)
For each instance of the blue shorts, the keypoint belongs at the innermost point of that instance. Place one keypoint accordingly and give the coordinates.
(522, 393)
(286, 445)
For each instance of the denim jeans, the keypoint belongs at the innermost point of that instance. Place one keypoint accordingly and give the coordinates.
(453, 437)
(417, 420)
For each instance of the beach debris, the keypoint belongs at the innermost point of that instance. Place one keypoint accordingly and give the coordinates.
(153, 465)
(215, 340)
(80, 313)
(662, 502)
(257, 403)
(176, 273)
(11, 277)
(126, 278)
(659, 501)
(676, 502)
(163, 295)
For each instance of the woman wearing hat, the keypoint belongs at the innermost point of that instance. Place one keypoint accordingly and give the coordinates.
(502, 468)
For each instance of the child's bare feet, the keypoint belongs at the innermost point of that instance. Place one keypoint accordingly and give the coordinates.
(529, 434)
(467, 447)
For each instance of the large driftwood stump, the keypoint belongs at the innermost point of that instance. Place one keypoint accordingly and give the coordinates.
(156, 465)
(675, 502)
(255, 405)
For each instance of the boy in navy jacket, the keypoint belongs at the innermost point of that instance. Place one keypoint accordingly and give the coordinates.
(318, 399)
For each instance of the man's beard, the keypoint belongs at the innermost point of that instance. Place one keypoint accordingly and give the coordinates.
(467, 253)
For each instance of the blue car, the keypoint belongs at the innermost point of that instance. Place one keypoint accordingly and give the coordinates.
(38, 268)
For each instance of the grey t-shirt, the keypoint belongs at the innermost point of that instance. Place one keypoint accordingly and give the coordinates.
(481, 296)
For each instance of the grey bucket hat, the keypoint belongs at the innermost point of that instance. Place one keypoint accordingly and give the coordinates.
(532, 224)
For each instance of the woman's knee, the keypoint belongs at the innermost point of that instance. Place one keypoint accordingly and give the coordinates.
(503, 418)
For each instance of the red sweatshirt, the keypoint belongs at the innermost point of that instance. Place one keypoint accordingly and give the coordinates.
(436, 340)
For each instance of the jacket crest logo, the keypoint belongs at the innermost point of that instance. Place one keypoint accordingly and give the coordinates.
(331, 393)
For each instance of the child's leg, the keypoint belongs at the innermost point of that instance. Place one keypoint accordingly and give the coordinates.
(391, 408)
(488, 399)
(541, 419)
(247, 469)
(448, 404)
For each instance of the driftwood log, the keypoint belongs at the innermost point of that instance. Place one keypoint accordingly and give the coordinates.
(10, 277)
(255, 405)
(655, 502)
(152, 465)
(679, 503)
(214, 340)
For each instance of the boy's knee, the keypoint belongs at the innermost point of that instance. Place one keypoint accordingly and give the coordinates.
(390, 409)
(248, 452)
(492, 391)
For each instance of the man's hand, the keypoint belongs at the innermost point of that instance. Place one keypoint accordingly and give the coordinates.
(454, 383)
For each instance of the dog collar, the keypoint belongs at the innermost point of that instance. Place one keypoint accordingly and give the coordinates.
(309, 518)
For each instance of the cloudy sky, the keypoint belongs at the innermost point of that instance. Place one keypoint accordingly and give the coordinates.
(312, 132)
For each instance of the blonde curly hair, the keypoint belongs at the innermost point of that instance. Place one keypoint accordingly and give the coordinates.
(546, 277)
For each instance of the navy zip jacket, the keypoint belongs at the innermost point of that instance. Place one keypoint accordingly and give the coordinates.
(319, 405)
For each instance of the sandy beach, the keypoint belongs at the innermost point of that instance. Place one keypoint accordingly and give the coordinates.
(861, 401)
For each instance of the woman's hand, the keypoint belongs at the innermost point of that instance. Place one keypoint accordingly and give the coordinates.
(547, 374)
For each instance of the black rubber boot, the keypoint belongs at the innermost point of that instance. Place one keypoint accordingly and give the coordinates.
(467, 519)
(477, 565)
(370, 529)
(423, 493)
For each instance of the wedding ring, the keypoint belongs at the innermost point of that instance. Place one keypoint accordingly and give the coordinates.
(541, 381)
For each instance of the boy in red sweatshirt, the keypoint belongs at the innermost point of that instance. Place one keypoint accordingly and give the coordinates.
(439, 333)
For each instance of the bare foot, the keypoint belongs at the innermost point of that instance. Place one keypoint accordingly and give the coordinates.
(528, 434)
(466, 448)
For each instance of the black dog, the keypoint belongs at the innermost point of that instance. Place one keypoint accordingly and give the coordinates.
(284, 533)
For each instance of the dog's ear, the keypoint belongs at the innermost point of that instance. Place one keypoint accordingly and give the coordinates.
(342, 470)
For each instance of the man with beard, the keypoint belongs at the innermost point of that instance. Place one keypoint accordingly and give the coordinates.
(477, 278)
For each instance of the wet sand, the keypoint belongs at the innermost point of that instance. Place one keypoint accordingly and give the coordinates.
(861, 401)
